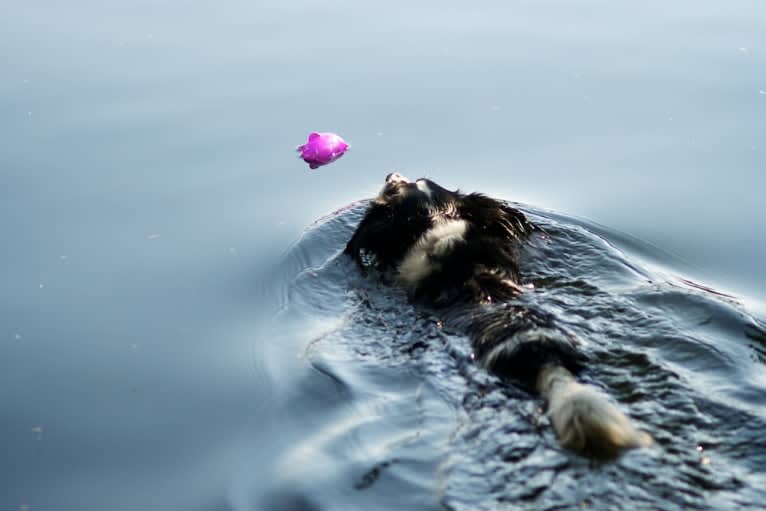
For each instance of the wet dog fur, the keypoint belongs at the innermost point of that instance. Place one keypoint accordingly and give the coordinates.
(460, 253)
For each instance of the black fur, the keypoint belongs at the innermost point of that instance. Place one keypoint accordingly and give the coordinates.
(476, 284)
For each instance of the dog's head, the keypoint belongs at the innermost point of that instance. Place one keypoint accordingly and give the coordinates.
(405, 210)
(401, 213)
(421, 196)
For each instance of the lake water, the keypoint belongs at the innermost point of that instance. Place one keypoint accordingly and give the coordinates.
(178, 330)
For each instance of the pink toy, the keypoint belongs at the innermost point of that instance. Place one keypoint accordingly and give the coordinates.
(322, 148)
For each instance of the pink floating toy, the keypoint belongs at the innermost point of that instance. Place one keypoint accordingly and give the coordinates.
(322, 148)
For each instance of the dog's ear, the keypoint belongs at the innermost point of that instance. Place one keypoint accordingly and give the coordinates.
(368, 233)
(385, 234)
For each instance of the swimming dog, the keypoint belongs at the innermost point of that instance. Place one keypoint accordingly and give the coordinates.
(459, 253)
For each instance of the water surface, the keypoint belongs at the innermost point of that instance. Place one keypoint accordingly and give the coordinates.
(158, 348)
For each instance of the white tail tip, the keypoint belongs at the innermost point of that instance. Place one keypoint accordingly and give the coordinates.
(584, 420)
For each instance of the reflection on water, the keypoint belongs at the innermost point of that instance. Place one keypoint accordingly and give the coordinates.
(152, 358)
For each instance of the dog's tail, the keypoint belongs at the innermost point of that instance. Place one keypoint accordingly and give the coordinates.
(584, 420)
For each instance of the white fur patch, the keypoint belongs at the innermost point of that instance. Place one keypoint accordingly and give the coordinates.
(584, 419)
(437, 241)
(506, 348)
(423, 187)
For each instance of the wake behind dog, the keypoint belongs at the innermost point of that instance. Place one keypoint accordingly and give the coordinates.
(459, 253)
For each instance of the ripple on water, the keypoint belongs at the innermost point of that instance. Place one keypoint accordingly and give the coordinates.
(407, 420)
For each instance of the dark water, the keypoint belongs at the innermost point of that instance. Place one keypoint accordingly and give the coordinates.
(166, 343)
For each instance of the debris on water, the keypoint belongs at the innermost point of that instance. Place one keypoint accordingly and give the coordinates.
(152, 236)
(743, 50)
(762, 92)
(17, 336)
(42, 286)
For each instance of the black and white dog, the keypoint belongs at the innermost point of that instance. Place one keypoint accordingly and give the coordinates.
(460, 253)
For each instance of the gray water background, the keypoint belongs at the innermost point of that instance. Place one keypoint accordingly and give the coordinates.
(148, 189)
